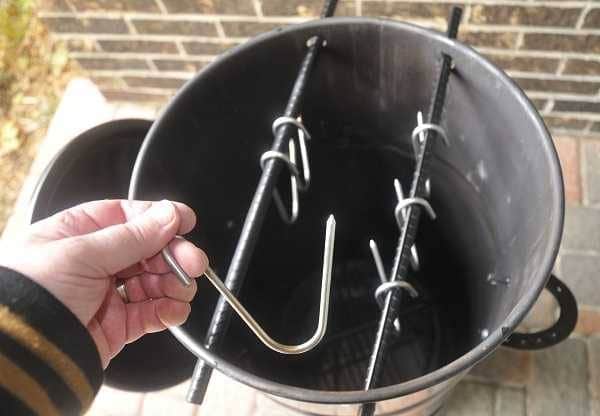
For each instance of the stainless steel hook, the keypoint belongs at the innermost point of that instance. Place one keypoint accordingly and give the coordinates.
(413, 201)
(303, 135)
(387, 284)
(400, 220)
(294, 175)
(418, 134)
(260, 333)
(383, 288)
(297, 181)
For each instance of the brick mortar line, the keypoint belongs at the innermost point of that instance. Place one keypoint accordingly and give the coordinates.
(134, 55)
(220, 29)
(574, 115)
(533, 53)
(554, 77)
(97, 46)
(581, 133)
(139, 73)
(529, 29)
(161, 6)
(70, 6)
(519, 41)
(571, 114)
(181, 49)
(206, 59)
(467, 14)
(174, 17)
(151, 65)
(130, 26)
(583, 15)
(587, 130)
(564, 96)
(124, 55)
(147, 37)
(258, 8)
(145, 90)
(561, 66)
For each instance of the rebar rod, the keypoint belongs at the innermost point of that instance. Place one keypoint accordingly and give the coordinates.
(409, 230)
(255, 217)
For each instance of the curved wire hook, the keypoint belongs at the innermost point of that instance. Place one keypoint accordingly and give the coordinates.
(413, 201)
(297, 181)
(414, 255)
(418, 134)
(303, 135)
(260, 333)
(294, 177)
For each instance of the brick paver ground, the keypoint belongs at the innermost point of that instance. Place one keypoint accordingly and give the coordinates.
(561, 381)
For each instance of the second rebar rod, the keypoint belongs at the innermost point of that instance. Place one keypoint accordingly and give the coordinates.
(409, 231)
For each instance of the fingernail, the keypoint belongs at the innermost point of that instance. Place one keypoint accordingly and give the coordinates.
(163, 212)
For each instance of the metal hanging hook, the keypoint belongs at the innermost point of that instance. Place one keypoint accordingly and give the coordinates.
(387, 284)
(294, 175)
(297, 181)
(303, 136)
(260, 333)
(418, 134)
(401, 219)
(413, 201)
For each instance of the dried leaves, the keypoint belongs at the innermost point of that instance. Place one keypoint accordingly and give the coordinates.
(33, 73)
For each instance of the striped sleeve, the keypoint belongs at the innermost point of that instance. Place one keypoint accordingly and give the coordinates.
(49, 364)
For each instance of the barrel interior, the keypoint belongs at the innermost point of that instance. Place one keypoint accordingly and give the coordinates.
(493, 189)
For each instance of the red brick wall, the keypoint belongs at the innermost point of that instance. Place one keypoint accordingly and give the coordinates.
(145, 49)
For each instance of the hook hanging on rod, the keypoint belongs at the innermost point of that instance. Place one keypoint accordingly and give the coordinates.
(297, 181)
(418, 134)
(387, 284)
(401, 217)
(243, 313)
(418, 189)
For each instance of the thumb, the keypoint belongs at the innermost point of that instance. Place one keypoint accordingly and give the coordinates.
(117, 247)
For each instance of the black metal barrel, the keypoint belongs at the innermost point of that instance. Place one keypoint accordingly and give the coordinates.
(496, 189)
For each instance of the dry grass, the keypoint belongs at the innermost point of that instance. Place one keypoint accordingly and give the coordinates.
(34, 71)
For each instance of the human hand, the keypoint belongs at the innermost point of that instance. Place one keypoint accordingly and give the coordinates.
(80, 254)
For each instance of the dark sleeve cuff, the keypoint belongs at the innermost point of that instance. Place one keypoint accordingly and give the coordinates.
(56, 362)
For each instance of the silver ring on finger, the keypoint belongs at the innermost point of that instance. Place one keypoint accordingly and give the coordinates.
(122, 291)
